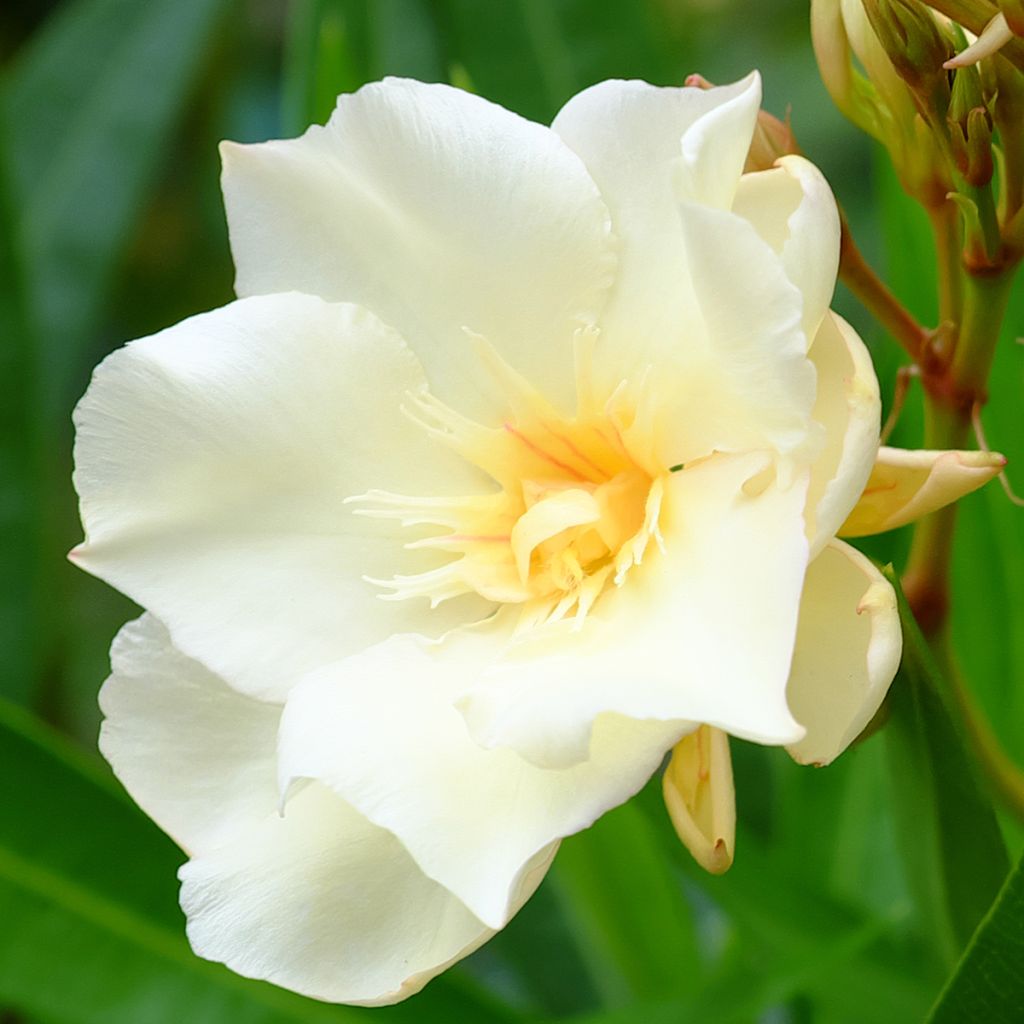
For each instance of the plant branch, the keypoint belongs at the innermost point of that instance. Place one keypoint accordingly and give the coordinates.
(876, 296)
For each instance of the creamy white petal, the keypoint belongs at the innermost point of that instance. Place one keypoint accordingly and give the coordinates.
(794, 211)
(195, 755)
(381, 730)
(749, 383)
(320, 901)
(701, 633)
(213, 461)
(905, 485)
(701, 305)
(847, 651)
(439, 211)
(848, 406)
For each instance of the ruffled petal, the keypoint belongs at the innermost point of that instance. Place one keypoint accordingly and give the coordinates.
(195, 755)
(847, 651)
(905, 485)
(745, 381)
(794, 211)
(703, 316)
(320, 901)
(439, 211)
(213, 461)
(380, 729)
(848, 406)
(700, 633)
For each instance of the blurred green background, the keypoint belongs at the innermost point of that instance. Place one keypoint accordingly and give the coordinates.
(111, 227)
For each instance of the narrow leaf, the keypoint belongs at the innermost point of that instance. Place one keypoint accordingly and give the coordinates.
(988, 983)
(90, 108)
(953, 849)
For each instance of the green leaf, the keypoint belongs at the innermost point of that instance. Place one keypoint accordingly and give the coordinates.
(90, 108)
(335, 46)
(988, 983)
(952, 846)
(92, 933)
(629, 913)
(19, 463)
(319, 63)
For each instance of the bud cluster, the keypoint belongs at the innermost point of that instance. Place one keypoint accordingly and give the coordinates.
(949, 110)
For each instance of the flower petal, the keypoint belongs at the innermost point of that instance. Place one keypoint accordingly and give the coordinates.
(700, 633)
(322, 902)
(194, 754)
(708, 304)
(380, 729)
(905, 485)
(701, 799)
(849, 406)
(746, 382)
(848, 648)
(794, 211)
(439, 211)
(213, 461)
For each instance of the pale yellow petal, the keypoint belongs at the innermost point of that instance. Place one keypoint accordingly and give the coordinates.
(701, 799)
(905, 485)
(848, 647)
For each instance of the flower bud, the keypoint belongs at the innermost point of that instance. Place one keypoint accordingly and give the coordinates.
(772, 138)
(970, 128)
(838, 31)
(914, 44)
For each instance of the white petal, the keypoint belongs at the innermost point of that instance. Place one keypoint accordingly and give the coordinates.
(905, 485)
(794, 211)
(848, 648)
(381, 730)
(849, 407)
(650, 151)
(747, 382)
(322, 902)
(439, 211)
(199, 758)
(213, 461)
(701, 633)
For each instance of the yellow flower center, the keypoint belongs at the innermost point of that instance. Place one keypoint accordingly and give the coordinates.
(577, 504)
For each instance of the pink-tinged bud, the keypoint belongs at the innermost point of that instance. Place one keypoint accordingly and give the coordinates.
(772, 138)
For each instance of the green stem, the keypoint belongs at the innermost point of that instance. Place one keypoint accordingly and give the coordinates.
(945, 222)
(951, 393)
(985, 300)
(876, 297)
(926, 578)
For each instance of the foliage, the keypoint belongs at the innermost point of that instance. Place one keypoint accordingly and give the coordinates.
(855, 889)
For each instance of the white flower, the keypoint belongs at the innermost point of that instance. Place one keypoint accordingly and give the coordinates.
(570, 399)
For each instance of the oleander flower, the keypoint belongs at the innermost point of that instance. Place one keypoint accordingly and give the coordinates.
(518, 464)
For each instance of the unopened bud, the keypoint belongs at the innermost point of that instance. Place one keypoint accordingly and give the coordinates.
(970, 128)
(914, 44)
(972, 146)
(772, 138)
(835, 43)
